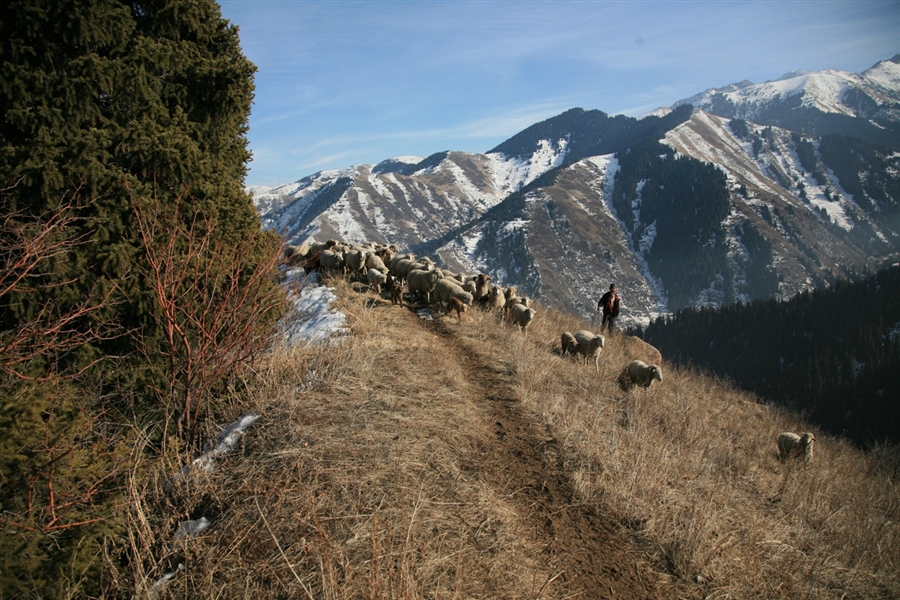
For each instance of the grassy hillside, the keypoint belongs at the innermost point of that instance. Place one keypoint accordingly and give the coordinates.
(448, 459)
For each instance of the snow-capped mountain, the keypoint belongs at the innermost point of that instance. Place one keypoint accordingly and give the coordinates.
(682, 207)
(864, 104)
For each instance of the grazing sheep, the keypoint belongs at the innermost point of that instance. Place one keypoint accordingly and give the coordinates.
(455, 304)
(521, 316)
(588, 345)
(377, 280)
(509, 293)
(639, 373)
(317, 247)
(793, 444)
(422, 282)
(568, 343)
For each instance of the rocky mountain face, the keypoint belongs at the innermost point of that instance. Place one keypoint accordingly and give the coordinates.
(684, 208)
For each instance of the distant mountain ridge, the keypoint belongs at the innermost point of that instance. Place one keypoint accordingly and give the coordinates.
(690, 208)
(866, 105)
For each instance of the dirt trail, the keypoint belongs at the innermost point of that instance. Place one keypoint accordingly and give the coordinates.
(522, 461)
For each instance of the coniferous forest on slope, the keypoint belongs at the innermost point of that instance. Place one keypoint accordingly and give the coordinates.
(832, 354)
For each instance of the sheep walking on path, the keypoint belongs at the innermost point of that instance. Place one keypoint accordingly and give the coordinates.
(796, 444)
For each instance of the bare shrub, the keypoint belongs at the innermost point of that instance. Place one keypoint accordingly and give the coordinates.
(215, 299)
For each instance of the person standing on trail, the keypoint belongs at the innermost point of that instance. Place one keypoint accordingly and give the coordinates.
(609, 304)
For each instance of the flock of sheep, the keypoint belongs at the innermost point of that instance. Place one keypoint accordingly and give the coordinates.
(387, 271)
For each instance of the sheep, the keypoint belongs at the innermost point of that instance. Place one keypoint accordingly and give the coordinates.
(385, 255)
(482, 286)
(422, 282)
(447, 288)
(331, 261)
(290, 251)
(458, 305)
(374, 261)
(521, 316)
(377, 279)
(396, 292)
(355, 260)
(568, 343)
(401, 265)
(793, 444)
(589, 344)
(496, 300)
(639, 373)
(317, 247)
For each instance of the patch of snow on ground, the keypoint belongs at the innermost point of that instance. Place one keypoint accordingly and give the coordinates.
(311, 320)
(507, 173)
(226, 441)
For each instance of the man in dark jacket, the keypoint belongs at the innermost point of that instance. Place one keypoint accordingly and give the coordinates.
(609, 304)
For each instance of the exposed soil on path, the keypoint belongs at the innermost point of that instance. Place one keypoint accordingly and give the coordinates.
(588, 556)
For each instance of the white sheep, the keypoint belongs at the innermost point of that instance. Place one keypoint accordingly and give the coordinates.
(521, 316)
(794, 444)
(589, 345)
(377, 280)
(374, 262)
(402, 264)
(355, 260)
(447, 288)
(639, 373)
(422, 282)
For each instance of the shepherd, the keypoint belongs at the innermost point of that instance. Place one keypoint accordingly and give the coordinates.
(609, 304)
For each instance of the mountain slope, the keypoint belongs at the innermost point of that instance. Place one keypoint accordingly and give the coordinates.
(684, 209)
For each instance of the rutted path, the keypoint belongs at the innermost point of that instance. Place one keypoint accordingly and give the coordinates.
(587, 556)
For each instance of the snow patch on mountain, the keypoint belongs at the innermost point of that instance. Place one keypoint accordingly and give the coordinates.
(514, 173)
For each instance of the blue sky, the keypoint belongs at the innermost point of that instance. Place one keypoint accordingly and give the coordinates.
(345, 83)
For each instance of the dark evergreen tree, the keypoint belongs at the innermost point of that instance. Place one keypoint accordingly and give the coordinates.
(109, 107)
(105, 101)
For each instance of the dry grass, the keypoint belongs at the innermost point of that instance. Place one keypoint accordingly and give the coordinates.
(383, 467)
